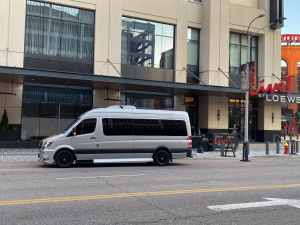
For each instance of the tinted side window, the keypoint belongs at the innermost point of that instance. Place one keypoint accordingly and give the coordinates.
(174, 128)
(117, 126)
(147, 127)
(86, 126)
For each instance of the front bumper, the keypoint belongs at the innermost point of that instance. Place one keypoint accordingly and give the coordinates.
(46, 156)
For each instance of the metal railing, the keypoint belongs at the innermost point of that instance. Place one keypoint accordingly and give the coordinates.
(274, 136)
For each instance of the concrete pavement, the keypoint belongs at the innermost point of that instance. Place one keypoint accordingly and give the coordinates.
(256, 150)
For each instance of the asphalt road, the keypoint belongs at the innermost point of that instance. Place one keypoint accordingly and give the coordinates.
(185, 192)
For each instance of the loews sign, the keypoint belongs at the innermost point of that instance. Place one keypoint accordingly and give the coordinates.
(278, 88)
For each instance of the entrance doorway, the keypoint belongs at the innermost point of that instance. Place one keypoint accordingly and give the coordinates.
(192, 110)
(236, 118)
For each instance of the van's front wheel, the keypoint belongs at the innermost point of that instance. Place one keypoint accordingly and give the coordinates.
(161, 158)
(64, 159)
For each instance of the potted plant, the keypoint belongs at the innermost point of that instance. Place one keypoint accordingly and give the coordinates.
(4, 121)
(5, 133)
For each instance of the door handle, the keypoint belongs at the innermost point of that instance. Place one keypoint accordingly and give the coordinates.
(93, 138)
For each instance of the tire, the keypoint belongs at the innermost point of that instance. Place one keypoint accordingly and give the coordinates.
(161, 158)
(64, 159)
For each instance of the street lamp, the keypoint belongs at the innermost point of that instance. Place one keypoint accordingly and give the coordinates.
(245, 145)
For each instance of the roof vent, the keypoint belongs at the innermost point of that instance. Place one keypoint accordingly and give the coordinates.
(122, 106)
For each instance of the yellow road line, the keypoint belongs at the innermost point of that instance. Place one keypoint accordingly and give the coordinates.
(140, 194)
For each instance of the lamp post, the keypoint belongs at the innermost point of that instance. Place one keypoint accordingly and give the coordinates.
(245, 145)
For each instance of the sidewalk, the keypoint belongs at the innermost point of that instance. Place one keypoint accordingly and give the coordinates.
(18, 155)
(30, 155)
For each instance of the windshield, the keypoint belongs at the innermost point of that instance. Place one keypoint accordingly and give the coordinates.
(68, 127)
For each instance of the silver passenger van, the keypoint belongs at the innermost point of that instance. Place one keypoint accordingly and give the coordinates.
(119, 134)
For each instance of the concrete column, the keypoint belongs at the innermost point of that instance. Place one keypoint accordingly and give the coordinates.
(108, 37)
(214, 42)
(100, 96)
(12, 23)
(179, 103)
(208, 113)
(267, 126)
(181, 41)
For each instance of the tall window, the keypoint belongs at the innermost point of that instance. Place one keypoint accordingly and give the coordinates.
(192, 55)
(55, 30)
(147, 44)
(238, 51)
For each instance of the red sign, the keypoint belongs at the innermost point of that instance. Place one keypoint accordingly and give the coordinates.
(290, 38)
(219, 140)
(271, 89)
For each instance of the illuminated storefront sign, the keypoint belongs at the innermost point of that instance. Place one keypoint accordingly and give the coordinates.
(278, 88)
(290, 37)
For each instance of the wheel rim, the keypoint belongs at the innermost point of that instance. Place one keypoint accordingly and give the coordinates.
(64, 158)
(162, 157)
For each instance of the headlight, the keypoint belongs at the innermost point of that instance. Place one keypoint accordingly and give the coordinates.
(47, 144)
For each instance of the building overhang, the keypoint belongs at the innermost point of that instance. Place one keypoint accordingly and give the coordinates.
(25, 75)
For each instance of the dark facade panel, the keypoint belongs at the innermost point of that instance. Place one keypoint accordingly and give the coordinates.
(276, 12)
(76, 66)
(147, 73)
(155, 74)
(236, 78)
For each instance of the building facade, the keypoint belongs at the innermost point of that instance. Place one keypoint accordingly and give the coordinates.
(290, 54)
(59, 59)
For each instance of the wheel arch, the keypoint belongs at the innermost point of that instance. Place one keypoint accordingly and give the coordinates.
(65, 148)
(163, 148)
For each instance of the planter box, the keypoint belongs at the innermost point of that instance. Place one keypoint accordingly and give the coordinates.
(9, 135)
(18, 144)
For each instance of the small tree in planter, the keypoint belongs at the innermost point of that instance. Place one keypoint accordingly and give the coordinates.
(4, 121)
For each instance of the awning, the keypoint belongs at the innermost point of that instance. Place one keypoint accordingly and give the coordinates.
(298, 115)
(286, 118)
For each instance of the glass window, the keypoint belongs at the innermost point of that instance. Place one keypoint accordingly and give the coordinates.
(238, 51)
(59, 31)
(69, 14)
(38, 8)
(234, 38)
(82, 108)
(86, 126)
(143, 127)
(67, 110)
(49, 110)
(193, 55)
(244, 40)
(193, 34)
(117, 126)
(34, 35)
(143, 101)
(147, 44)
(168, 30)
(147, 127)
(31, 109)
(174, 128)
(52, 40)
(69, 42)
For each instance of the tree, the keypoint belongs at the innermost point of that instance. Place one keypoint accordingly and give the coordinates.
(4, 121)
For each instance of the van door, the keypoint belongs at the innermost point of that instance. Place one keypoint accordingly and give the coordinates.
(85, 140)
(116, 137)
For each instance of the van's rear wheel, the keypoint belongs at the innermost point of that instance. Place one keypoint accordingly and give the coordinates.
(161, 158)
(64, 159)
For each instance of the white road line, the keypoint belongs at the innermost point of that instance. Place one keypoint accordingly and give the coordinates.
(270, 202)
(70, 178)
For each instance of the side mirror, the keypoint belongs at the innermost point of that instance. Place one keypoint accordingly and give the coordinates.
(74, 131)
